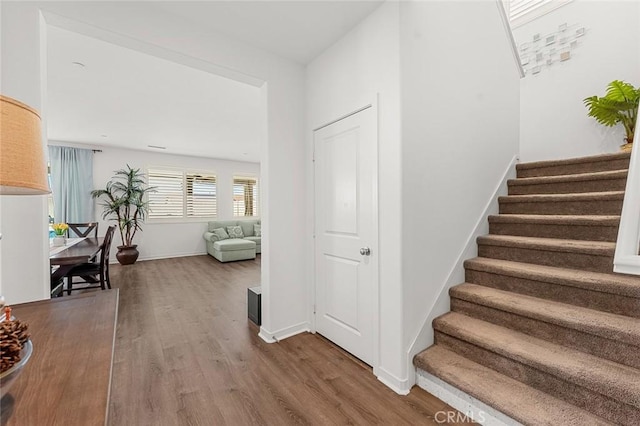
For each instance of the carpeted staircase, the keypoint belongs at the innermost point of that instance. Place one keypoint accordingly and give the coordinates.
(543, 330)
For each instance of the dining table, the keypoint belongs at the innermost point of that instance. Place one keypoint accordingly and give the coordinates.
(76, 251)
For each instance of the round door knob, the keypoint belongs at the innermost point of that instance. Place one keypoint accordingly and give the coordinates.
(365, 251)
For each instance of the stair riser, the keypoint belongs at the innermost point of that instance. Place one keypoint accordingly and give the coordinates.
(606, 207)
(606, 302)
(569, 187)
(569, 232)
(574, 260)
(579, 396)
(611, 349)
(572, 169)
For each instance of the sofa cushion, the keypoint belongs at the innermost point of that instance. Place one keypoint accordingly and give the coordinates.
(220, 233)
(257, 230)
(234, 244)
(256, 240)
(235, 231)
(247, 227)
(215, 224)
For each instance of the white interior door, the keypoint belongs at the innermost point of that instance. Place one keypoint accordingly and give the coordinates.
(346, 232)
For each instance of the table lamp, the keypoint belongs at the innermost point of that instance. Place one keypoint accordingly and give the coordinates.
(22, 166)
(22, 172)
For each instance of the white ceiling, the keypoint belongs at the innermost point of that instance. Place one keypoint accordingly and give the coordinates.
(136, 100)
(297, 30)
(129, 99)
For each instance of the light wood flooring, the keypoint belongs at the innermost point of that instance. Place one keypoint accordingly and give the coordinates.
(186, 354)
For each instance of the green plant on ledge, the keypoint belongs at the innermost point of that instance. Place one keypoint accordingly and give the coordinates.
(124, 203)
(619, 105)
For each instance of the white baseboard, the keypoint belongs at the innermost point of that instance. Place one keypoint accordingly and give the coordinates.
(469, 406)
(275, 336)
(113, 259)
(399, 386)
(171, 255)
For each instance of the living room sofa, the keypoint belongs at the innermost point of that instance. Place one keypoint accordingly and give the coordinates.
(230, 248)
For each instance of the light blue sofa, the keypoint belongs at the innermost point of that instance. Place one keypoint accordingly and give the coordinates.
(227, 250)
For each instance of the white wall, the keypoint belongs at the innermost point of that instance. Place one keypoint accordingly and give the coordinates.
(554, 122)
(140, 26)
(363, 64)
(24, 258)
(167, 238)
(460, 111)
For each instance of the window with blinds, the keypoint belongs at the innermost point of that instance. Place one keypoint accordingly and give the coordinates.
(181, 194)
(522, 11)
(201, 195)
(245, 196)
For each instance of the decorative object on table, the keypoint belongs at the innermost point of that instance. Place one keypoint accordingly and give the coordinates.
(60, 229)
(124, 203)
(22, 167)
(15, 347)
(618, 105)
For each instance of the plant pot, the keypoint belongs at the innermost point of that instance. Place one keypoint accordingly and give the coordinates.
(626, 147)
(127, 255)
(59, 241)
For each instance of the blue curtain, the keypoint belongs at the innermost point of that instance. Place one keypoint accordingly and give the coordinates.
(71, 184)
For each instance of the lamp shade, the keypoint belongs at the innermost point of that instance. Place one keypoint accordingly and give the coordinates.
(22, 166)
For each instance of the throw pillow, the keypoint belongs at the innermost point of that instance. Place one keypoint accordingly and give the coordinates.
(221, 233)
(235, 232)
(257, 230)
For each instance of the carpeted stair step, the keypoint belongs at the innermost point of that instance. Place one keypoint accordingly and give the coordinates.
(609, 336)
(597, 163)
(589, 203)
(571, 227)
(613, 293)
(567, 184)
(604, 388)
(523, 403)
(585, 255)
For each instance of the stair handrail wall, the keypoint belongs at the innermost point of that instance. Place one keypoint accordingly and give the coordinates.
(627, 259)
(512, 40)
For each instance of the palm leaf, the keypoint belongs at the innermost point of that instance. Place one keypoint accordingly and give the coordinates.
(621, 92)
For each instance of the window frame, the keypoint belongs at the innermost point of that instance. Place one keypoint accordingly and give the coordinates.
(185, 172)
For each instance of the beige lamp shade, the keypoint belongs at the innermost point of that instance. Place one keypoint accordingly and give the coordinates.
(22, 166)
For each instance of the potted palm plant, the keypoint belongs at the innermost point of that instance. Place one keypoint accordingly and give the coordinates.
(618, 105)
(124, 203)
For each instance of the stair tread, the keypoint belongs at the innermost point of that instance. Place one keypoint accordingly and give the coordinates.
(559, 198)
(576, 177)
(625, 285)
(556, 219)
(577, 160)
(614, 380)
(590, 321)
(603, 248)
(519, 401)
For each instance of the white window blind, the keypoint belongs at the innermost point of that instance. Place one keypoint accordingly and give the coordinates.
(181, 194)
(522, 11)
(168, 199)
(245, 196)
(201, 195)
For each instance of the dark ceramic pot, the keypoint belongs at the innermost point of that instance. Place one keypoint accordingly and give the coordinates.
(127, 255)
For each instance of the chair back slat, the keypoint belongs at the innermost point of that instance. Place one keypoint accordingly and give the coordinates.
(83, 229)
(106, 248)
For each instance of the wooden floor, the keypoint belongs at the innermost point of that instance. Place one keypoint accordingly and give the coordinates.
(186, 354)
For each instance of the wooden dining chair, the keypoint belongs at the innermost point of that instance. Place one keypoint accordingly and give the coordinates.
(83, 229)
(96, 274)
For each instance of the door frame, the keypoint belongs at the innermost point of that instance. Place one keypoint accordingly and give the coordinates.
(370, 102)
